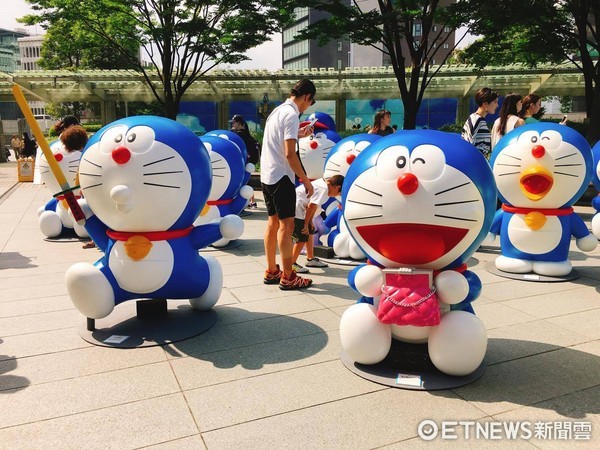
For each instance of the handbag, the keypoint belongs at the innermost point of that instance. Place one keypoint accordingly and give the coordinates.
(408, 298)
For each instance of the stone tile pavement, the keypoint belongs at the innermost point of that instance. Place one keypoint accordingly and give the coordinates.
(268, 374)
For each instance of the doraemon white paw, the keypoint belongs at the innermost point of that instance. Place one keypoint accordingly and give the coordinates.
(364, 339)
(513, 265)
(215, 286)
(50, 224)
(89, 290)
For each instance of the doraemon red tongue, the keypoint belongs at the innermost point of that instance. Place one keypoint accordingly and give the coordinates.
(396, 242)
(536, 184)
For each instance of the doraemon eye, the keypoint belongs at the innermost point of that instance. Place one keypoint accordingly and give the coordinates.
(427, 162)
(112, 138)
(320, 135)
(392, 163)
(139, 139)
(528, 139)
(360, 146)
(550, 139)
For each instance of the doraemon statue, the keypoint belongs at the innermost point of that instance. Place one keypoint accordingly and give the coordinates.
(227, 194)
(314, 149)
(54, 219)
(417, 202)
(541, 170)
(145, 179)
(239, 142)
(596, 181)
(337, 163)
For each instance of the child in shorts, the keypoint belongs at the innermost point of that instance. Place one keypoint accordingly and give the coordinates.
(306, 208)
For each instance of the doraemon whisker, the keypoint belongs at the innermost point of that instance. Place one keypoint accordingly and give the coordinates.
(158, 161)
(163, 173)
(509, 165)
(568, 165)
(90, 174)
(366, 217)
(331, 162)
(362, 203)
(508, 173)
(455, 203)
(216, 160)
(455, 218)
(365, 189)
(163, 185)
(218, 176)
(452, 188)
(567, 174)
(92, 186)
(93, 164)
(511, 156)
(219, 168)
(566, 156)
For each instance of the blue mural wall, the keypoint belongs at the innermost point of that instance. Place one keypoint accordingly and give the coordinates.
(201, 117)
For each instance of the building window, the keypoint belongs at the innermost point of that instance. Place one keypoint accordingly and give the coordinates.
(434, 45)
(416, 44)
(447, 29)
(295, 50)
(298, 64)
(339, 64)
(339, 46)
(445, 45)
(300, 13)
(417, 29)
(290, 33)
(435, 28)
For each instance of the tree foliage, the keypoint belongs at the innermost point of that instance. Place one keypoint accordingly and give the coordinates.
(181, 39)
(389, 27)
(535, 31)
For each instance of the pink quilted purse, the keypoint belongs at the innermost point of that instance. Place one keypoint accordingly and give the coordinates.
(407, 298)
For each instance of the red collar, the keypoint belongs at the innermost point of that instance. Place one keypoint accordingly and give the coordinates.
(62, 197)
(150, 235)
(546, 212)
(227, 201)
(459, 269)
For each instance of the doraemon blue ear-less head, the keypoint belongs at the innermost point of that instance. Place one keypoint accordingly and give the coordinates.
(233, 137)
(345, 152)
(542, 165)
(227, 167)
(419, 198)
(145, 173)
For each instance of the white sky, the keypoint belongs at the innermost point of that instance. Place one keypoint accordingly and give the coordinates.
(265, 56)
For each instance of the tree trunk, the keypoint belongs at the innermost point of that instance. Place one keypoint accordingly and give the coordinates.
(410, 114)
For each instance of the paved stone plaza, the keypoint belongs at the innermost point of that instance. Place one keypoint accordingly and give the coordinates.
(268, 374)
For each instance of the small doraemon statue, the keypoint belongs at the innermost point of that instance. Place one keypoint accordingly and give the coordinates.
(227, 195)
(540, 169)
(314, 149)
(596, 181)
(337, 163)
(418, 203)
(54, 219)
(145, 180)
(239, 142)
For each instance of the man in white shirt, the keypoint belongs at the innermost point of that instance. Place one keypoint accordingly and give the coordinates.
(278, 165)
(306, 209)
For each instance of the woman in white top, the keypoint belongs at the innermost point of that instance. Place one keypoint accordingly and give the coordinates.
(508, 119)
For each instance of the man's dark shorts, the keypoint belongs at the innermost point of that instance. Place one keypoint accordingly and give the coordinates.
(297, 235)
(280, 198)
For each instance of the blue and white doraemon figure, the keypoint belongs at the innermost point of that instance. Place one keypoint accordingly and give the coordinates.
(239, 142)
(314, 149)
(420, 200)
(54, 219)
(227, 195)
(337, 163)
(541, 170)
(145, 180)
(596, 181)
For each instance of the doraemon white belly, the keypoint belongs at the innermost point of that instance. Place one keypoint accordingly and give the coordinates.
(540, 241)
(144, 275)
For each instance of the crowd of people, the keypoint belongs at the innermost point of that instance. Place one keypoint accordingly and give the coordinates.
(515, 111)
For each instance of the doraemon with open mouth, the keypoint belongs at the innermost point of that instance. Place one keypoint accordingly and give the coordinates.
(541, 170)
(145, 180)
(418, 200)
(53, 218)
(337, 163)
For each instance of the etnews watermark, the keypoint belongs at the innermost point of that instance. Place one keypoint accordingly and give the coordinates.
(505, 430)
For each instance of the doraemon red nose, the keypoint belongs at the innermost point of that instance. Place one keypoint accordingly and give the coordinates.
(408, 183)
(350, 158)
(121, 155)
(538, 151)
(58, 157)
(314, 145)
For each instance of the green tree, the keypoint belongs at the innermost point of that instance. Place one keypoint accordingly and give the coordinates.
(392, 26)
(534, 31)
(181, 39)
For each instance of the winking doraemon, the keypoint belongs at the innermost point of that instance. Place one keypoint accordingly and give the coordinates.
(145, 180)
(541, 169)
(418, 200)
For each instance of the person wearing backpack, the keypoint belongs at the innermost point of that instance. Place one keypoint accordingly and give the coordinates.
(240, 127)
(475, 129)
